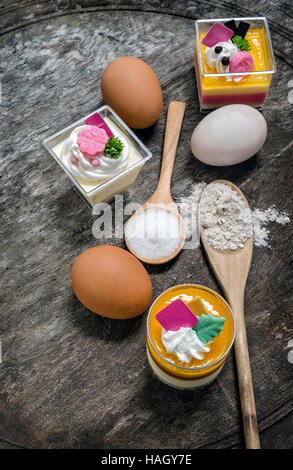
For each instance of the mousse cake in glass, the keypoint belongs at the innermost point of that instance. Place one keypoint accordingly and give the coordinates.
(190, 331)
(234, 62)
(100, 154)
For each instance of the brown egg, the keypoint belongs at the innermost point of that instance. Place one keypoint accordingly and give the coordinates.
(133, 90)
(110, 281)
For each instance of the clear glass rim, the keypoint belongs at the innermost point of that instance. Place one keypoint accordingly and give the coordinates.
(207, 366)
(113, 178)
(235, 74)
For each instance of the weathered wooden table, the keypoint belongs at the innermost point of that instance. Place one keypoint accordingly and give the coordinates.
(70, 378)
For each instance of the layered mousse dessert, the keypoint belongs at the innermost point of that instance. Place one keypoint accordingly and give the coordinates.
(100, 155)
(190, 331)
(234, 62)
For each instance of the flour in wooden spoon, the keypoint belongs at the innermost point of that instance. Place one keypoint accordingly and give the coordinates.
(188, 206)
(226, 220)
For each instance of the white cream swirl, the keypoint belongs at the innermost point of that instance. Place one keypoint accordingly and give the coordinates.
(214, 60)
(83, 168)
(184, 343)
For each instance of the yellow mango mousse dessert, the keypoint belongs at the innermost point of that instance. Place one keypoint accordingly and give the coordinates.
(234, 62)
(190, 331)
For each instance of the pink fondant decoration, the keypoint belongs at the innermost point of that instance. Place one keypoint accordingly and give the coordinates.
(217, 33)
(175, 316)
(97, 120)
(241, 62)
(92, 141)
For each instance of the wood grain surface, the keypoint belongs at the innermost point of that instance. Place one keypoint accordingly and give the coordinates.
(68, 377)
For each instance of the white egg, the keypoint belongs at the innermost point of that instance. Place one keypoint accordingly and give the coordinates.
(229, 135)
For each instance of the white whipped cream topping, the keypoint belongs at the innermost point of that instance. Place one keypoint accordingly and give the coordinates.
(184, 343)
(214, 60)
(83, 168)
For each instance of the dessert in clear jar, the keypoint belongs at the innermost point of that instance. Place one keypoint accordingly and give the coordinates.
(190, 331)
(100, 154)
(234, 62)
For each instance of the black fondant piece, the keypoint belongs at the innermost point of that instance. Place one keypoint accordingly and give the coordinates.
(242, 29)
(231, 24)
(218, 49)
(225, 60)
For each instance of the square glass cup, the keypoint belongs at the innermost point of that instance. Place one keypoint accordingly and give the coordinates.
(105, 189)
(219, 89)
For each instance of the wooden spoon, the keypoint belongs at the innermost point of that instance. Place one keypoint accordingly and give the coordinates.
(162, 198)
(231, 270)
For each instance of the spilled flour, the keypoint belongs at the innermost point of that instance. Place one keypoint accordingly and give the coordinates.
(228, 204)
(261, 218)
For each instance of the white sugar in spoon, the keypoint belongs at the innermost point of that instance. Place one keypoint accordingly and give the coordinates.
(160, 210)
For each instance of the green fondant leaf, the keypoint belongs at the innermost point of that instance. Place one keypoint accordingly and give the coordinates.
(208, 327)
(241, 43)
(114, 147)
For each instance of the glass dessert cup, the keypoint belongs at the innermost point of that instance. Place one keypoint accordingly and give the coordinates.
(250, 88)
(166, 366)
(102, 190)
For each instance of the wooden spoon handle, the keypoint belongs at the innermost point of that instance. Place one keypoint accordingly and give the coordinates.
(244, 376)
(173, 127)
